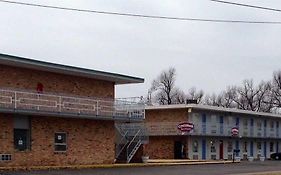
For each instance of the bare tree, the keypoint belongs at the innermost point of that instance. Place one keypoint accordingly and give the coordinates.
(164, 87)
(224, 99)
(246, 97)
(276, 88)
(211, 100)
(275, 99)
(263, 98)
(180, 96)
(164, 91)
(193, 94)
(249, 97)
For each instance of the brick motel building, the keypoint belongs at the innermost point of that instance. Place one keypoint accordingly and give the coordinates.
(53, 114)
(200, 132)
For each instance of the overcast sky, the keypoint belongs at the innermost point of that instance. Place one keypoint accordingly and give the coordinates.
(208, 56)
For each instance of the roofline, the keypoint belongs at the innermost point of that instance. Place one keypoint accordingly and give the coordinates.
(24, 62)
(212, 108)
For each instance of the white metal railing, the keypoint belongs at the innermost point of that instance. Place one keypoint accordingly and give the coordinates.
(130, 136)
(121, 145)
(133, 146)
(31, 102)
(171, 129)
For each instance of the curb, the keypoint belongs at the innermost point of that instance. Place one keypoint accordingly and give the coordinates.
(262, 173)
(131, 165)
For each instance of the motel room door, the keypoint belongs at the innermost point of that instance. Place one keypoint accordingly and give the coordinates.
(221, 149)
(178, 150)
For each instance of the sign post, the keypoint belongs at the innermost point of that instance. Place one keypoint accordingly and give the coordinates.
(235, 133)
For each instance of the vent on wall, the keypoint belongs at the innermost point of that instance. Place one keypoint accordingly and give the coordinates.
(5, 157)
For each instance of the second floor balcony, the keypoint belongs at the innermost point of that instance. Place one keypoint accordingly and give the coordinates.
(208, 129)
(32, 103)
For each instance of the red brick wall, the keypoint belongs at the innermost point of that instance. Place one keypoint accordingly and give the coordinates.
(12, 77)
(89, 142)
(166, 115)
(162, 147)
(6, 134)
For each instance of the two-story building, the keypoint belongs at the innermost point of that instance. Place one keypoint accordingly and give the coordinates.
(203, 132)
(52, 114)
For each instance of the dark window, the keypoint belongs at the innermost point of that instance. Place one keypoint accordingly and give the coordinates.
(272, 124)
(213, 147)
(22, 133)
(195, 146)
(237, 121)
(204, 118)
(22, 139)
(252, 122)
(259, 145)
(265, 123)
(5, 157)
(271, 147)
(60, 142)
(221, 119)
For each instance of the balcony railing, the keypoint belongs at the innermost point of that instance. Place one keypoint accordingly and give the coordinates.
(26, 102)
(170, 129)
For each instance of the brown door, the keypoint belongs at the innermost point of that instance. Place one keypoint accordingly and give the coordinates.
(221, 149)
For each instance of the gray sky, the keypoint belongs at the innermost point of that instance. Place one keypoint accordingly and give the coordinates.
(208, 56)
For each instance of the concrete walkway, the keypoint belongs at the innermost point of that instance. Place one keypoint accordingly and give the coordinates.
(243, 168)
(151, 163)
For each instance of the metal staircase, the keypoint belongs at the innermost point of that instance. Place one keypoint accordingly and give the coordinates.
(130, 137)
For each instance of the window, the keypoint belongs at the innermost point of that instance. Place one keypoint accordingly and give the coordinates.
(237, 121)
(245, 123)
(252, 122)
(213, 147)
(259, 125)
(60, 142)
(195, 146)
(221, 119)
(259, 145)
(272, 124)
(22, 133)
(5, 157)
(204, 118)
(229, 146)
(213, 119)
(271, 146)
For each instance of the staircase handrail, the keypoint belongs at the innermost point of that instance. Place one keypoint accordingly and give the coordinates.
(123, 147)
(132, 141)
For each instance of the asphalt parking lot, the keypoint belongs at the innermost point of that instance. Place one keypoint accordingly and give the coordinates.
(218, 169)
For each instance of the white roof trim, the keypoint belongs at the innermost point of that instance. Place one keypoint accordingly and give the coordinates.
(28, 63)
(212, 108)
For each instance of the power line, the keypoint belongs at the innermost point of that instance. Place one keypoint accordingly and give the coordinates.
(141, 15)
(247, 5)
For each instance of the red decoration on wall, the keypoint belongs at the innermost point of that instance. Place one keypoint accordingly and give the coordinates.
(185, 127)
(40, 87)
(235, 131)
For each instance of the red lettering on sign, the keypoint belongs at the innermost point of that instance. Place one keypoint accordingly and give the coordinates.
(185, 127)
